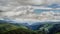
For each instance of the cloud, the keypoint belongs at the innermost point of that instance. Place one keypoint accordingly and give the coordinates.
(39, 2)
(28, 2)
(21, 10)
(26, 13)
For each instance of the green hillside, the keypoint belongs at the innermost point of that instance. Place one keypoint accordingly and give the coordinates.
(7, 28)
(15, 29)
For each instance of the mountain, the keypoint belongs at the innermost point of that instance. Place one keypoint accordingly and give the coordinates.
(15, 28)
(55, 28)
(42, 27)
(5, 27)
(35, 26)
(50, 28)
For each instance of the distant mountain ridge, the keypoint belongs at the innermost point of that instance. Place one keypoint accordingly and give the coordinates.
(48, 28)
(34, 26)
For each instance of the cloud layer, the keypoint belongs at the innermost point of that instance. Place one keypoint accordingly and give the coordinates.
(22, 10)
(28, 2)
(26, 13)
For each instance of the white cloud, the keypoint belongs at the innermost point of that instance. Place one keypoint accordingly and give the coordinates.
(14, 10)
(26, 14)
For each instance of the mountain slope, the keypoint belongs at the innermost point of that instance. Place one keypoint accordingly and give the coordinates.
(5, 27)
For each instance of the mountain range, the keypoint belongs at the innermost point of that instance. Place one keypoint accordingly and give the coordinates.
(48, 28)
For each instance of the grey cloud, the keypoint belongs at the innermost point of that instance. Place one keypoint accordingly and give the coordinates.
(27, 2)
(11, 8)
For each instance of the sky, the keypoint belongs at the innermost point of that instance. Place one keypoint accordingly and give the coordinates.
(30, 10)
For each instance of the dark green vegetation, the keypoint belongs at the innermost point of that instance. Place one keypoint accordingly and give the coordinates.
(14, 29)
(4, 28)
(8, 28)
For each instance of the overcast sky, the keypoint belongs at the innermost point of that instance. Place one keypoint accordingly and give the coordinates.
(15, 9)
